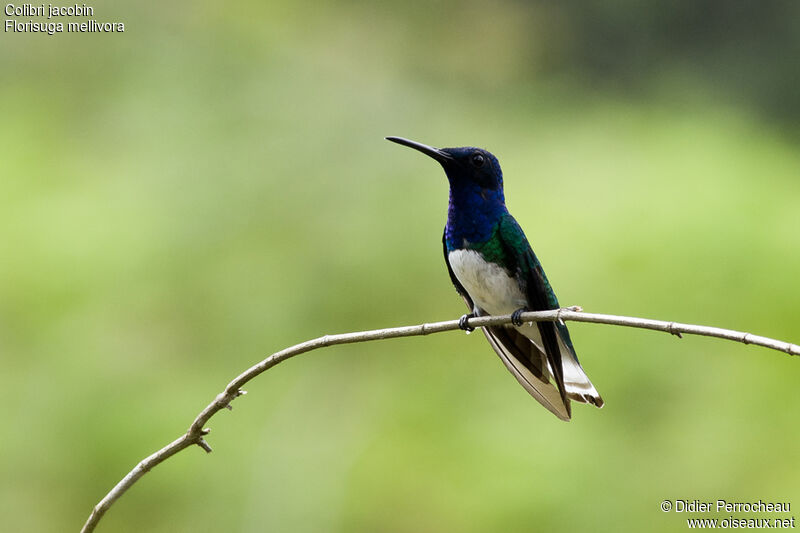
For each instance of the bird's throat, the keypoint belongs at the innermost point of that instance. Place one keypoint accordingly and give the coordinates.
(472, 216)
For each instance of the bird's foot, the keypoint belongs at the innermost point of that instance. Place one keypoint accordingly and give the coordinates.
(462, 322)
(515, 316)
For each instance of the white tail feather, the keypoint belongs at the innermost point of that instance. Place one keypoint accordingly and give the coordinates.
(576, 382)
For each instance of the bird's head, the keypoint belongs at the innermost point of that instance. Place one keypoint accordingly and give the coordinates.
(466, 168)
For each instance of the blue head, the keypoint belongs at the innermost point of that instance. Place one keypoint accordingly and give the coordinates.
(476, 191)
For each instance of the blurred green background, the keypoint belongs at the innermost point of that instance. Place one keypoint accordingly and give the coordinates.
(182, 199)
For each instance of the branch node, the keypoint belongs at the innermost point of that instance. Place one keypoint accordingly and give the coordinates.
(744, 338)
(221, 397)
(673, 331)
(203, 444)
(205, 431)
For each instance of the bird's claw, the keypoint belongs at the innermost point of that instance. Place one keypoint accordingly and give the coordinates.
(462, 322)
(515, 316)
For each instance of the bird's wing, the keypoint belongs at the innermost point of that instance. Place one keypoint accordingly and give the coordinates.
(521, 356)
(525, 266)
(553, 336)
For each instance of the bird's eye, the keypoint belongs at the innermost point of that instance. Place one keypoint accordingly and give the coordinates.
(478, 160)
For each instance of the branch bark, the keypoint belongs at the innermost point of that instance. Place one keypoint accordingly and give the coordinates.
(197, 431)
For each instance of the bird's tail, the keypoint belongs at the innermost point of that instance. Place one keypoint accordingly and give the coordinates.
(520, 349)
(576, 382)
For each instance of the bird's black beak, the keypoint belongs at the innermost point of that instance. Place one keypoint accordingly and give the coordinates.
(440, 155)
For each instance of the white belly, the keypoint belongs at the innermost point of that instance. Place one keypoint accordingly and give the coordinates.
(489, 286)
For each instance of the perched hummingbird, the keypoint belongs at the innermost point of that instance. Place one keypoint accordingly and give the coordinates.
(495, 270)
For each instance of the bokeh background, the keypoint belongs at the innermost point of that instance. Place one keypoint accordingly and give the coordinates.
(182, 199)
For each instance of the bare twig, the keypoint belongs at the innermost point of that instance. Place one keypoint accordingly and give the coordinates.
(196, 432)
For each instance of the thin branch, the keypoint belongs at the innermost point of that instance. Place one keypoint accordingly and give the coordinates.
(196, 432)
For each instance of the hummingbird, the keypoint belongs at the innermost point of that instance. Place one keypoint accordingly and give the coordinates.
(494, 269)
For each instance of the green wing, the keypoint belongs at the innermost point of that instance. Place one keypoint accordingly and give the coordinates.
(523, 263)
(555, 339)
